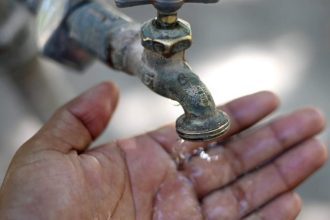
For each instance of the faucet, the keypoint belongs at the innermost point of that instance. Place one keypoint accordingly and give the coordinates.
(73, 32)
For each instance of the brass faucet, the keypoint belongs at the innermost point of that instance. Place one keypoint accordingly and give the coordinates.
(155, 52)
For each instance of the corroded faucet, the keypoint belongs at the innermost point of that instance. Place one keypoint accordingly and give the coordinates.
(153, 52)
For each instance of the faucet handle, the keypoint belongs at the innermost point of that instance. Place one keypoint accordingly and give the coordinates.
(163, 6)
(166, 34)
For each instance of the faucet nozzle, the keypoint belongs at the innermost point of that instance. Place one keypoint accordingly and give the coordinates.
(203, 128)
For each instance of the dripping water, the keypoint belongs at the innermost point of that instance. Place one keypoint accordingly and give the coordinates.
(183, 153)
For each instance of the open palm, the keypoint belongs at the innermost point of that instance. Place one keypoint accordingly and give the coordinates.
(251, 174)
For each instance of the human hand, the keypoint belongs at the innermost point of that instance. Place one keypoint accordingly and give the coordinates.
(56, 176)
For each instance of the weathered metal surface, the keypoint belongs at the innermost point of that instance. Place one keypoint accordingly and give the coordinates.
(167, 19)
(53, 36)
(166, 34)
(173, 78)
(16, 34)
(116, 40)
(32, 5)
(94, 27)
(6, 7)
(166, 41)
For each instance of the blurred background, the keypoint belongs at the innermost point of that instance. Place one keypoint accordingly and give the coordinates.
(239, 47)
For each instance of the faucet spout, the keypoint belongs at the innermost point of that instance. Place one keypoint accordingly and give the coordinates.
(158, 62)
(173, 78)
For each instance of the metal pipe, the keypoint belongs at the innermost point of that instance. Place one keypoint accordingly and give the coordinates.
(102, 30)
(6, 7)
(31, 5)
(16, 34)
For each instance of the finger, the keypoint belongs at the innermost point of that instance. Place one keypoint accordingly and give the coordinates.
(78, 123)
(259, 187)
(286, 206)
(254, 149)
(243, 112)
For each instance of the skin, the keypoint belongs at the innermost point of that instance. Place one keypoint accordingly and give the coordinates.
(55, 175)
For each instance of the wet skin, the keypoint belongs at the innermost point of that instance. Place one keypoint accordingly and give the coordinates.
(56, 176)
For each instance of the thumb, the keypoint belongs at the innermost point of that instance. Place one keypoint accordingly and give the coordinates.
(78, 123)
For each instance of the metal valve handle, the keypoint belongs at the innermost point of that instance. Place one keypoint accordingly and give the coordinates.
(163, 6)
(165, 34)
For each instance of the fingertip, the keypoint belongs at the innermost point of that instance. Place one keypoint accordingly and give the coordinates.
(318, 117)
(286, 206)
(95, 107)
(78, 123)
(296, 204)
(323, 153)
(110, 89)
(264, 101)
(248, 110)
(270, 97)
(297, 199)
(112, 94)
(292, 202)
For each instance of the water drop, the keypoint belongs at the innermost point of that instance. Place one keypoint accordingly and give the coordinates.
(181, 154)
(204, 155)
